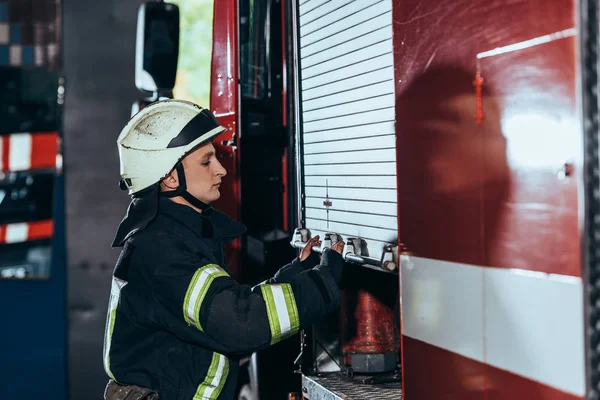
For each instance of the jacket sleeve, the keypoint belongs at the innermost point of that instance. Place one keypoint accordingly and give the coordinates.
(199, 300)
(289, 271)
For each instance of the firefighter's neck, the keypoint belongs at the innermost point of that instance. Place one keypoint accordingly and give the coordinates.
(181, 200)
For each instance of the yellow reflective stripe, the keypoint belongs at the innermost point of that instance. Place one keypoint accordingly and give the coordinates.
(267, 292)
(197, 290)
(115, 295)
(215, 378)
(282, 311)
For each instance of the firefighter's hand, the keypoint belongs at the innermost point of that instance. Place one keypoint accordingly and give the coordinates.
(308, 247)
(338, 246)
(333, 262)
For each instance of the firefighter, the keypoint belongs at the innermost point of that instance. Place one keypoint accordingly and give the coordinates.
(177, 323)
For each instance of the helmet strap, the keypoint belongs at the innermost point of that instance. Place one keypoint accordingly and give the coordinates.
(182, 190)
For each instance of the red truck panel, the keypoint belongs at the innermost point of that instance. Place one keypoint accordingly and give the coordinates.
(489, 198)
(224, 103)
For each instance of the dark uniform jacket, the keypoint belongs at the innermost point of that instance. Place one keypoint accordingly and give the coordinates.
(178, 323)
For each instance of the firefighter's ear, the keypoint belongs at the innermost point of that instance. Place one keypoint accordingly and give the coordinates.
(170, 182)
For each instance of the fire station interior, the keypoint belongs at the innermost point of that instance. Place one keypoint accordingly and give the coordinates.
(452, 146)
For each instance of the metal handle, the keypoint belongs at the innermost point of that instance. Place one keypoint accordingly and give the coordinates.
(302, 235)
(353, 250)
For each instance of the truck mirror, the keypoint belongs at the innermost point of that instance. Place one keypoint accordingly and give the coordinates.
(157, 46)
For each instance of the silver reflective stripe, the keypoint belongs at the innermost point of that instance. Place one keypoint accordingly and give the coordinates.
(115, 295)
(282, 311)
(197, 290)
(215, 378)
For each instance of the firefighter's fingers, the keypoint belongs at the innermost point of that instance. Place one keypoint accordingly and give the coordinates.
(313, 242)
(308, 247)
(338, 246)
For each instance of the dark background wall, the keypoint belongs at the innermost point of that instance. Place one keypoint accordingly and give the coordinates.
(99, 49)
(33, 321)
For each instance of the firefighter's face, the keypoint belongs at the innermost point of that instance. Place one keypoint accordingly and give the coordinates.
(203, 174)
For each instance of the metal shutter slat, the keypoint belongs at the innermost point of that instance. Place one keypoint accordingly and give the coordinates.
(387, 182)
(344, 121)
(375, 90)
(352, 169)
(358, 144)
(349, 71)
(380, 155)
(311, 6)
(364, 54)
(347, 46)
(380, 128)
(379, 75)
(389, 209)
(344, 24)
(360, 218)
(362, 29)
(357, 106)
(313, 18)
(367, 195)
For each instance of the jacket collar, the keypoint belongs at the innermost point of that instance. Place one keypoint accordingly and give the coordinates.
(208, 224)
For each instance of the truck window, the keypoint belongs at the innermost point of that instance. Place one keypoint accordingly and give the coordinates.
(195, 51)
(254, 22)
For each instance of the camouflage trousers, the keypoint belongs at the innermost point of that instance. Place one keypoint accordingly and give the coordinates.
(116, 391)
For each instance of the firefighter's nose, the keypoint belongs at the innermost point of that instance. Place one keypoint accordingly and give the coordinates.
(221, 171)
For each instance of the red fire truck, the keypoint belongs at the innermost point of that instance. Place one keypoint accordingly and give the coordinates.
(453, 145)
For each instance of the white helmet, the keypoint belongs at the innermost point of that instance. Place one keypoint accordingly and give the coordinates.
(158, 137)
